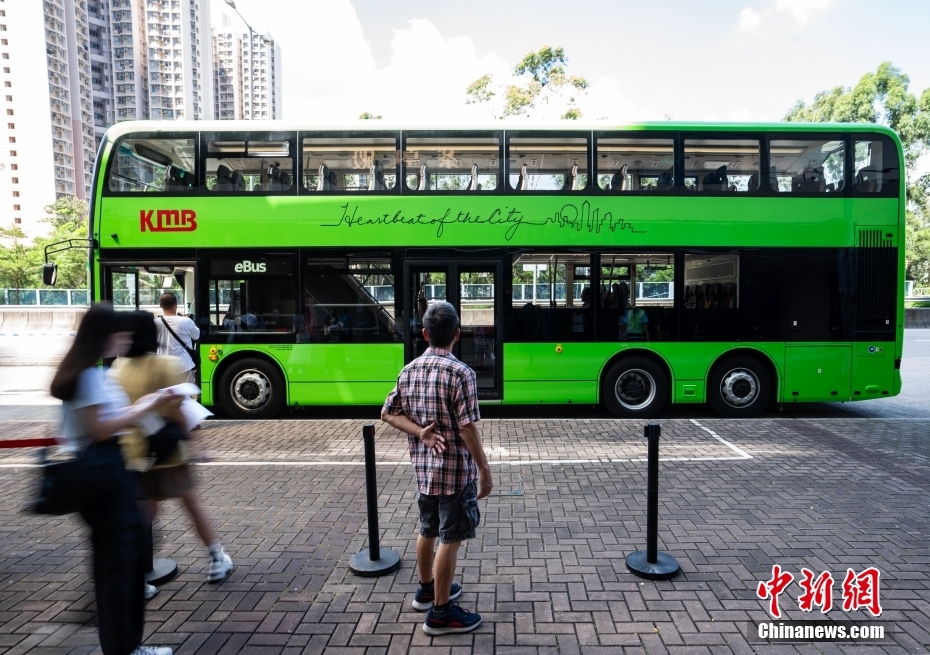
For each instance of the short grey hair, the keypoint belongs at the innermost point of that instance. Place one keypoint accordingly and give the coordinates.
(441, 321)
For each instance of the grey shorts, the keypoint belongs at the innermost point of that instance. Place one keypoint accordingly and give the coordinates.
(452, 518)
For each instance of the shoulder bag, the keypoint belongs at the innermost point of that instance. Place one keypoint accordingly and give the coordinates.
(193, 352)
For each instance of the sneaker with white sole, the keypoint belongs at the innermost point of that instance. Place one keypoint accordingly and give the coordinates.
(152, 650)
(220, 567)
(150, 591)
(423, 600)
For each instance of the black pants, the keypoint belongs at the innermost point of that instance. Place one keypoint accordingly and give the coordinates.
(117, 535)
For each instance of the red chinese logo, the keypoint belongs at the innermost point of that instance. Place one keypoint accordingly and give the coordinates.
(860, 591)
(168, 220)
(774, 588)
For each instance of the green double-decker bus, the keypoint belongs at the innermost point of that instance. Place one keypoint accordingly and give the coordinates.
(634, 267)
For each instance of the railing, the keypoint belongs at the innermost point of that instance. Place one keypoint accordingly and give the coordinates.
(43, 297)
(523, 292)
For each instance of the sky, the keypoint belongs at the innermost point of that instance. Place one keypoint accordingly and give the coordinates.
(727, 60)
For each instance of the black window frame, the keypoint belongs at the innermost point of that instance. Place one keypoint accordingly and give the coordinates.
(812, 136)
(683, 136)
(349, 134)
(452, 134)
(851, 159)
(549, 134)
(155, 135)
(245, 137)
(677, 151)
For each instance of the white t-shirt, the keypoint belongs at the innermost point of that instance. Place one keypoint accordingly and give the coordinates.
(94, 388)
(168, 345)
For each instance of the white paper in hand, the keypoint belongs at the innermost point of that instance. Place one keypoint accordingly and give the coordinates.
(185, 389)
(193, 413)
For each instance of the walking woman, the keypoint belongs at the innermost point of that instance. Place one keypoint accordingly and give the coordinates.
(141, 372)
(96, 412)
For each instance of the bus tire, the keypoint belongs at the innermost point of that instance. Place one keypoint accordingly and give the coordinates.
(252, 388)
(635, 387)
(739, 387)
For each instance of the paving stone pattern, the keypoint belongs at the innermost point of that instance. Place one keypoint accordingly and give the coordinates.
(547, 570)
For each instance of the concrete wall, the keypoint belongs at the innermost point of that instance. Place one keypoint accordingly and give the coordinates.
(917, 317)
(24, 320)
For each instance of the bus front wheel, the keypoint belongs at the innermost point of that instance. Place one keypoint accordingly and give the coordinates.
(635, 387)
(252, 389)
(739, 387)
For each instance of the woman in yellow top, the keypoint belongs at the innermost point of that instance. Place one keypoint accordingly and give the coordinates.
(140, 372)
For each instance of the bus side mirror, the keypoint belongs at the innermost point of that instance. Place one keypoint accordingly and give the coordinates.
(49, 273)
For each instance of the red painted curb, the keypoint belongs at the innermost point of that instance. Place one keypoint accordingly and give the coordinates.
(27, 443)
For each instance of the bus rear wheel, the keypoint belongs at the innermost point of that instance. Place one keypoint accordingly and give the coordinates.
(739, 387)
(635, 387)
(252, 388)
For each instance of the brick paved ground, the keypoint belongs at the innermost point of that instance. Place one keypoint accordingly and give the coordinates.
(547, 569)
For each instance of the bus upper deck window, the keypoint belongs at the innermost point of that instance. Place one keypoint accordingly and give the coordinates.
(363, 163)
(261, 164)
(635, 164)
(721, 165)
(548, 164)
(807, 165)
(452, 163)
(153, 165)
(876, 168)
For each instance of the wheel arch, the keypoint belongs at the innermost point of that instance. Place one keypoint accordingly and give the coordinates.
(648, 353)
(248, 353)
(759, 355)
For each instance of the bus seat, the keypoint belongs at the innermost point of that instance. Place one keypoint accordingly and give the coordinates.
(424, 178)
(238, 182)
(715, 291)
(284, 179)
(323, 183)
(716, 181)
(666, 179)
(573, 178)
(700, 296)
(687, 296)
(473, 185)
(753, 183)
(178, 179)
(730, 290)
(522, 182)
(867, 180)
(618, 182)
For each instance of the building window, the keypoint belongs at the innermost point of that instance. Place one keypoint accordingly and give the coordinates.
(16, 194)
(6, 55)
(15, 180)
(14, 167)
(11, 126)
(17, 220)
(16, 208)
(9, 112)
(9, 98)
(12, 139)
(12, 153)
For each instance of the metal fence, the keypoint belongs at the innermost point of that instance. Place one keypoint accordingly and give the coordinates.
(44, 297)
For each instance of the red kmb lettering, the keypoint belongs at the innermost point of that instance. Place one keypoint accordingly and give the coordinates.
(168, 220)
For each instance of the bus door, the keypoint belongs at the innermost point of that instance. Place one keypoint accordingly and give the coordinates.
(473, 288)
(139, 286)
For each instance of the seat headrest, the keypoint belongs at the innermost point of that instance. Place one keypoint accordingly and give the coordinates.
(424, 178)
(574, 177)
(521, 183)
(473, 186)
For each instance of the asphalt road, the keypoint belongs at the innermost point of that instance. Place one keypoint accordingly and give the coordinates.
(27, 366)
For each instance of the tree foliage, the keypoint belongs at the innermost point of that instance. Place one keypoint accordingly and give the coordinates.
(883, 97)
(540, 81)
(21, 261)
(368, 116)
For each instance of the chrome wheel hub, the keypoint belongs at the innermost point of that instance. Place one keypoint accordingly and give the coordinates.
(635, 389)
(251, 389)
(739, 387)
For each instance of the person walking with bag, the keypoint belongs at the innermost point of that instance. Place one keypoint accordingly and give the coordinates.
(141, 372)
(96, 412)
(177, 335)
(435, 403)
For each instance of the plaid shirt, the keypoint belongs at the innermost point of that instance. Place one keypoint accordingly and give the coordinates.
(438, 387)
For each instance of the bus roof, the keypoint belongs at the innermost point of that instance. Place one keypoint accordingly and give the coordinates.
(128, 127)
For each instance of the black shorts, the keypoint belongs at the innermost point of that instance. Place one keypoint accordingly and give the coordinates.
(452, 518)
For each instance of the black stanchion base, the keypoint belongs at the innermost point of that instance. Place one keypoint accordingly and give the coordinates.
(664, 568)
(162, 571)
(362, 565)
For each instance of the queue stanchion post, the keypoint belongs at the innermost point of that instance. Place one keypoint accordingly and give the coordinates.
(158, 570)
(651, 563)
(373, 561)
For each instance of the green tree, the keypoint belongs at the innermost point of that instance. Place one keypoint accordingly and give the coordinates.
(19, 263)
(883, 97)
(368, 116)
(541, 79)
(68, 217)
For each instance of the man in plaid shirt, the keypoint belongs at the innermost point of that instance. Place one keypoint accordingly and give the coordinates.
(436, 403)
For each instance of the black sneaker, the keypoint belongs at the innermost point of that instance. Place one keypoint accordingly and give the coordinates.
(426, 595)
(453, 620)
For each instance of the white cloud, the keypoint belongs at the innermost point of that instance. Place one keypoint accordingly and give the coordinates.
(749, 20)
(803, 10)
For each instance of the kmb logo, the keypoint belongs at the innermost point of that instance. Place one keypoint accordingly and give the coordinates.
(168, 220)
